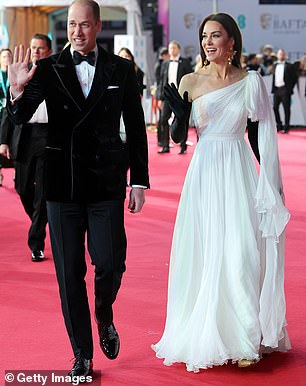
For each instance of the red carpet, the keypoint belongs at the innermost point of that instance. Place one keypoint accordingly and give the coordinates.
(32, 331)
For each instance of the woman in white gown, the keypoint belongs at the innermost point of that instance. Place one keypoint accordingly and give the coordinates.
(226, 280)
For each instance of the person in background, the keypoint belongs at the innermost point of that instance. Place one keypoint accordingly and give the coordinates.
(172, 71)
(127, 54)
(284, 79)
(86, 90)
(244, 60)
(26, 144)
(253, 64)
(226, 297)
(268, 58)
(5, 60)
(163, 55)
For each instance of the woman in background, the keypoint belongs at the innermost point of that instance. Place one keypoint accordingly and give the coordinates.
(127, 54)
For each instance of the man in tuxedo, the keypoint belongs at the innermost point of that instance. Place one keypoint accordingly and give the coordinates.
(163, 55)
(26, 144)
(284, 78)
(86, 91)
(171, 71)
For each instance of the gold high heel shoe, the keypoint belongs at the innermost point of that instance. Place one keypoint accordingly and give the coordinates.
(246, 363)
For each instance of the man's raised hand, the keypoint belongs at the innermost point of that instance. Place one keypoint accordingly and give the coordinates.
(19, 73)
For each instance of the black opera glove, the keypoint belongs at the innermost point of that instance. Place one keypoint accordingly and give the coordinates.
(178, 104)
(181, 109)
(253, 137)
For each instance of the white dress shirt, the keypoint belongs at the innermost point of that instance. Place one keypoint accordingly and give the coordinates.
(279, 74)
(172, 70)
(85, 73)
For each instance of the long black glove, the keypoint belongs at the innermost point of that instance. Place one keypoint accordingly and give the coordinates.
(253, 137)
(181, 109)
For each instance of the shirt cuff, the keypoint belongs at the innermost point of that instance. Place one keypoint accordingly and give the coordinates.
(139, 186)
(12, 99)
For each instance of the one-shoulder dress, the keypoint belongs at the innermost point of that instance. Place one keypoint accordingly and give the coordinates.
(226, 297)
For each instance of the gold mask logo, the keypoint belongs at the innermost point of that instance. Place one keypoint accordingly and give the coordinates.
(266, 20)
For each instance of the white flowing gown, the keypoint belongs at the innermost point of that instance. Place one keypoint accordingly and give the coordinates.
(226, 279)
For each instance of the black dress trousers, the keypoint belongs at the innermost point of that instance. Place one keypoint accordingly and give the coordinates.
(106, 240)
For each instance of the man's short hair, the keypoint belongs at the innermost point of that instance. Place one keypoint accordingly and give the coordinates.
(176, 43)
(90, 3)
(163, 51)
(45, 38)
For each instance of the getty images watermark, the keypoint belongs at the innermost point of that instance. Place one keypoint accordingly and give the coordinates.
(46, 378)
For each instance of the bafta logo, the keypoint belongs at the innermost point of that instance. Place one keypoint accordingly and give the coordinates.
(265, 20)
(189, 20)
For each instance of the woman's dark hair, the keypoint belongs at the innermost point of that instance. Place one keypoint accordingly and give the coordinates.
(232, 29)
(6, 49)
(127, 51)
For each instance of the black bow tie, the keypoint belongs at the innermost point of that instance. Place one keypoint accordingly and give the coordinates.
(174, 60)
(78, 58)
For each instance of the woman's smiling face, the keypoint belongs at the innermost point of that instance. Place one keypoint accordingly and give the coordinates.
(216, 43)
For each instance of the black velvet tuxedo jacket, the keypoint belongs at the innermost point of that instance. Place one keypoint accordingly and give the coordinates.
(86, 159)
(290, 77)
(184, 67)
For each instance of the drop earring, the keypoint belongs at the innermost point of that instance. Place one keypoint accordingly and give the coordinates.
(231, 57)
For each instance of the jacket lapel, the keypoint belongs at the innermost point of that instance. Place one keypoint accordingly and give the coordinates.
(103, 74)
(65, 71)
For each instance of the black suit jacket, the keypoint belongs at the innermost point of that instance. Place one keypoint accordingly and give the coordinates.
(184, 67)
(10, 134)
(290, 77)
(86, 159)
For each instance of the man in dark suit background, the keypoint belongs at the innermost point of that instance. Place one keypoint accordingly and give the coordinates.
(172, 71)
(86, 91)
(163, 55)
(283, 82)
(26, 144)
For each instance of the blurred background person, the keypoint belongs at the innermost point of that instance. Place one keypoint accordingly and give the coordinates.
(244, 60)
(300, 66)
(124, 52)
(253, 64)
(163, 55)
(26, 143)
(172, 71)
(5, 60)
(284, 79)
(268, 58)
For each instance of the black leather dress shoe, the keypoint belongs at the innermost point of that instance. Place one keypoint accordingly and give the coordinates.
(165, 149)
(38, 256)
(279, 127)
(109, 340)
(183, 148)
(81, 367)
